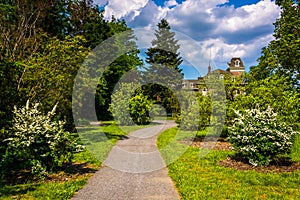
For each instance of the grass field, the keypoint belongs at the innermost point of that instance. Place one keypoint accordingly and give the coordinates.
(202, 178)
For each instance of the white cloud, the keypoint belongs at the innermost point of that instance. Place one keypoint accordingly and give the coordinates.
(249, 17)
(227, 31)
(121, 8)
(171, 3)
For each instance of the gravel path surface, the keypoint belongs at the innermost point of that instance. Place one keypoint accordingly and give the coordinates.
(133, 169)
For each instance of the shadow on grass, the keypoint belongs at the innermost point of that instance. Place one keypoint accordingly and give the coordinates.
(77, 168)
(16, 190)
(17, 178)
(101, 136)
(279, 165)
(22, 182)
(115, 136)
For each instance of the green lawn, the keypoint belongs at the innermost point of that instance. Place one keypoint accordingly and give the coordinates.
(202, 178)
(74, 179)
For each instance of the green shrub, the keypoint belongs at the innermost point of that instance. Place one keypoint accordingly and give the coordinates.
(195, 113)
(39, 142)
(119, 106)
(127, 103)
(259, 137)
(190, 113)
(139, 106)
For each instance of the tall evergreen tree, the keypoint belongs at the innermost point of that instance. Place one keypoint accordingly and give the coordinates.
(163, 71)
(164, 53)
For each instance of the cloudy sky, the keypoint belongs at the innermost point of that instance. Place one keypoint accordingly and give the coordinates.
(220, 29)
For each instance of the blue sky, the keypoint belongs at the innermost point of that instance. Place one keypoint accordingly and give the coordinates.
(221, 29)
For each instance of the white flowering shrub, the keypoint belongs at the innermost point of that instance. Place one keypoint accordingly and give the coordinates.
(39, 142)
(259, 137)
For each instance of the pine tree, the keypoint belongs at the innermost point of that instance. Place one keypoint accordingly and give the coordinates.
(164, 58)
(163, 72)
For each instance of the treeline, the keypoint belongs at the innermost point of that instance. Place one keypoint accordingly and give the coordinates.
(43, 44)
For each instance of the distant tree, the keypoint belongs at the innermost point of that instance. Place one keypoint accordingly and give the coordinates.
(164, 52)
(164, 60)
(115, 70)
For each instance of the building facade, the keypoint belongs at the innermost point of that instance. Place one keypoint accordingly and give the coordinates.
(235, 69)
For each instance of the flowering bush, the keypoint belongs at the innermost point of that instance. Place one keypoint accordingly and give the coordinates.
(39, 142)
(259, 137)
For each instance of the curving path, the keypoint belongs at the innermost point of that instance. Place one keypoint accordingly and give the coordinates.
(133, 170)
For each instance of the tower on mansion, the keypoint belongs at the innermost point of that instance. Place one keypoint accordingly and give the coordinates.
(235, 69)
(236, 66)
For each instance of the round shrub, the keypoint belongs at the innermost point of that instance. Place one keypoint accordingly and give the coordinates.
(129, 106)
(259, 137)
(139, 109)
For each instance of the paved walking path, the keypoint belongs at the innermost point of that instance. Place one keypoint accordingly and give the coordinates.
(134, 170)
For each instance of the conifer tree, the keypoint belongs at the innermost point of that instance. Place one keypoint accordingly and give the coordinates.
(164, 53)
(163, 71)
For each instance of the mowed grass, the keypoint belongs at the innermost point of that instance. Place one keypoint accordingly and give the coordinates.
(72, 181)
(202, 178)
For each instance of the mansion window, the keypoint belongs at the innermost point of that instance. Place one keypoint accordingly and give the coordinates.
(237, 63)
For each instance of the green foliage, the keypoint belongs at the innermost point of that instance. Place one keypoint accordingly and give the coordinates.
(9, 71)
(259, 137)
(86, 19)
(195, 112)
(282, 54)
(43, 44)
(205, 107)
(117, 69)
(275, 91)
(49, 76)
(126, 103)
(295, 151)
(234, 86)
(189, 116)
(139, 106)
(39, 142)
(120, 103)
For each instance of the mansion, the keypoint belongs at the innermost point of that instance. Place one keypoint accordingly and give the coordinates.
(235, 69)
